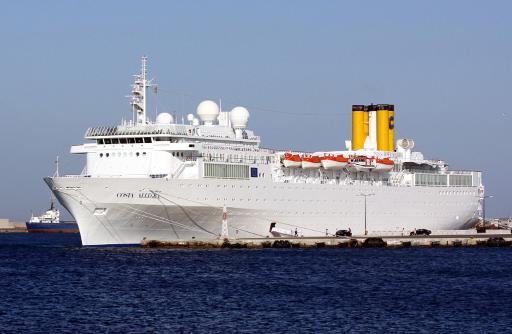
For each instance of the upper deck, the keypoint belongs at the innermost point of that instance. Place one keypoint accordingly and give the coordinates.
(199, 132)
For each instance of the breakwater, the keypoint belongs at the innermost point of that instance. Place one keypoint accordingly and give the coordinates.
(499, 238)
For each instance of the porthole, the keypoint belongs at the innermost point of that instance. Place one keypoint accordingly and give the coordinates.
(107, 155)
(101, 155)
(137, 154)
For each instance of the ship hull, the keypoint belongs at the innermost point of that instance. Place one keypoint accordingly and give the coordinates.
(129, 210)
(66, 227)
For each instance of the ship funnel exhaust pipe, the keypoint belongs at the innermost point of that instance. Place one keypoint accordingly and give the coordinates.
(358, 129)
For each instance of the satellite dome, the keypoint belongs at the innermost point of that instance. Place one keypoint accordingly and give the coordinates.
(208, 111)
(190, 117)
(406, 144)
(239, 117)
(164, 118)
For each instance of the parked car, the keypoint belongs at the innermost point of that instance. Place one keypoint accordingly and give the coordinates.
(421, 231)
(343, 233)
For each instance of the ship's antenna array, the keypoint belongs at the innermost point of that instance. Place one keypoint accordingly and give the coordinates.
(56, 174)
(139, 93)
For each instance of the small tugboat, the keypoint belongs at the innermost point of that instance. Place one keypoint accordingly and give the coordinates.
(50, 222)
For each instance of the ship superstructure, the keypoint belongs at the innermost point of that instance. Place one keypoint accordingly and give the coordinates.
(208, 177)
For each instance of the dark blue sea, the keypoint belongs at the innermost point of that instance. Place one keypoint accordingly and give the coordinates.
(50, 284)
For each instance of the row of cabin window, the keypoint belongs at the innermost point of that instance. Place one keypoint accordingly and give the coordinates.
(124, 153)
(138, 140)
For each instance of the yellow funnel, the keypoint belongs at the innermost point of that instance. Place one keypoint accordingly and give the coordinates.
(358, 136)
(382, 127)
(391, 145)
(366, 123)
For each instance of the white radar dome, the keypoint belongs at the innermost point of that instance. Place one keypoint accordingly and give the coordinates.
(190, 117)
(164, 118)
(208, 111)
(239, 117)
(406, 144)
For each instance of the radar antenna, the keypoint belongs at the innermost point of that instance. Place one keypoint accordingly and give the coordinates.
(139, 93)
(56, 167)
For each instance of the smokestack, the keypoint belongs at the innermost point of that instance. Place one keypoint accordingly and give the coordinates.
(358, 133)
(382, 127)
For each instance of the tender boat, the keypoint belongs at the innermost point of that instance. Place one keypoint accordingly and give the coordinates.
(334, 162)
(361, 164)
(311, 162)
(384, 165)
(292, 160)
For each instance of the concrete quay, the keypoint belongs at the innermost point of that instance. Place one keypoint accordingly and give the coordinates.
(492, 238)
(7, 226)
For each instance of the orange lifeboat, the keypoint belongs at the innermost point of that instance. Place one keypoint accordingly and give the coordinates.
(292, 160)
(311, 162)
(384, 165)
(361, 164)
(334, 162)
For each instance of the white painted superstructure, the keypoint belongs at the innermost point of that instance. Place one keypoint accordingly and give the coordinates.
(210, 178)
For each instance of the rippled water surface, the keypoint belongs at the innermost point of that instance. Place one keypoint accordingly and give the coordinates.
(48, 283)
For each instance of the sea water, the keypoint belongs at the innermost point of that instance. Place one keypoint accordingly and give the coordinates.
(49, 283)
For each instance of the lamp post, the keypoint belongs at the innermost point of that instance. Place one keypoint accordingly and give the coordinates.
(365, 195)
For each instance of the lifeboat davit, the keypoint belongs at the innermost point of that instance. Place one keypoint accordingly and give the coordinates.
(384, 165)
(292, 160)
(311, 162)
(361, 164)
(334, 162)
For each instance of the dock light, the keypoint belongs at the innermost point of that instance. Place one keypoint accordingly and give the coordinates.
(365, 195)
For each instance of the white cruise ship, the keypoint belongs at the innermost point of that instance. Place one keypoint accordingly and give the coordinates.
(208, 178)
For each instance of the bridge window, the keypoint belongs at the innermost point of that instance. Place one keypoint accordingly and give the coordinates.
(147, 139)
(163, 139)
(122, 140)
(108, 141)
(138, 140)
(115, 141)
(99, 141)
(131, 140)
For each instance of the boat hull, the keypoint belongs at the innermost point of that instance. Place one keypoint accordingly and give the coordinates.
(310, 165)
(292, 164)
(333, 164)
(63, 227)
(130, 210)
(383, 167)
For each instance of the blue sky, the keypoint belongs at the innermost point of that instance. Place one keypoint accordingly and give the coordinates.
(297, 65)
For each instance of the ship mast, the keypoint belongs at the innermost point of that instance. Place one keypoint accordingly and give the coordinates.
(139, 93)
